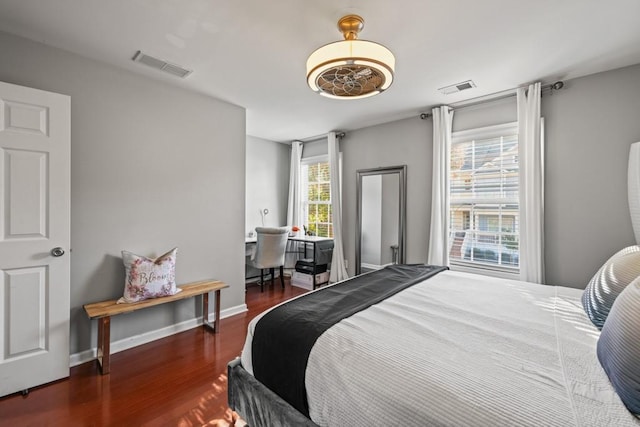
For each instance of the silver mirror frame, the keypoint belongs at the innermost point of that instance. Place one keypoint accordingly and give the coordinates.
(402, 191)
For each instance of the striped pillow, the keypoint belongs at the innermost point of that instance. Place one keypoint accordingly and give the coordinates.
(619, 346)
(599, 295)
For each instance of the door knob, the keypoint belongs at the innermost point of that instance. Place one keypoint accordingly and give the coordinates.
(57, 251)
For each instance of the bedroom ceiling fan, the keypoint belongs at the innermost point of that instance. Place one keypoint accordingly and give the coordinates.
(350, 68)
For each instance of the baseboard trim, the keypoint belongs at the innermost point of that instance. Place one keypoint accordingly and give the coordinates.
(136, 340)
(371, 266)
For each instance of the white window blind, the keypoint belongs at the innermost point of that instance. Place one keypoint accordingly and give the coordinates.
(316, 186)
(484, 198)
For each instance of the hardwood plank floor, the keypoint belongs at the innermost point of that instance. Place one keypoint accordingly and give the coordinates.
(180, 380)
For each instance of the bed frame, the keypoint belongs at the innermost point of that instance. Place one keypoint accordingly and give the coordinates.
(256, 404)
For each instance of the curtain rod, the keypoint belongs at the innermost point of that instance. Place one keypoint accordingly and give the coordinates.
(319, 137)
(496, 97)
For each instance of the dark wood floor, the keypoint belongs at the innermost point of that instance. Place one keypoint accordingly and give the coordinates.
(175, 381)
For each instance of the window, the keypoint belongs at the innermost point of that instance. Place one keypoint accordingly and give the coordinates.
(484, 198)
(316, 187)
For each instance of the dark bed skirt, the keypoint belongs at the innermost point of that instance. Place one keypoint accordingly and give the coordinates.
(256, 404)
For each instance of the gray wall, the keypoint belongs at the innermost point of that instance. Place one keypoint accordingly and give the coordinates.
(590, 125)
(152, 167)
(403, 142)
(487, 114)
(267, 183)
(315, 148)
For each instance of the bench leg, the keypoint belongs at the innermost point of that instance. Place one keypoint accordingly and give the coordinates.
(205, 311)
(104, 338)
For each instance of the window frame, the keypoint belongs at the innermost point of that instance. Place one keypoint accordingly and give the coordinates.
(487, 268)
(305, 162)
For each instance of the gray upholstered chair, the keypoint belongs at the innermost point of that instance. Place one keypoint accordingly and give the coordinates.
(270, 250)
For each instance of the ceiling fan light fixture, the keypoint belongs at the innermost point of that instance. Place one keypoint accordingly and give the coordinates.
(351, 68)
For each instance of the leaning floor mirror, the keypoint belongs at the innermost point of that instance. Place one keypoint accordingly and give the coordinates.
(381, 217)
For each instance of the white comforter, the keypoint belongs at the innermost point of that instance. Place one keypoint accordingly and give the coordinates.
(463, 350)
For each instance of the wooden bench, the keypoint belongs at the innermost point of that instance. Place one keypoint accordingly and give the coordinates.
(105, 309)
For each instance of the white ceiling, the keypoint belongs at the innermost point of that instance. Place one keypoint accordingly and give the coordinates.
(252, 53)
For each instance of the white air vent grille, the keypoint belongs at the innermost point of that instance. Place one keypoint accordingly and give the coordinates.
(161, 65)
(457, 87)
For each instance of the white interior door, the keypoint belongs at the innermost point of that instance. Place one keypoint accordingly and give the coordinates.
(34, 219)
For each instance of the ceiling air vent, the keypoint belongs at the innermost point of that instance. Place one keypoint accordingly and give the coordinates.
(457, 87)
(161, 65)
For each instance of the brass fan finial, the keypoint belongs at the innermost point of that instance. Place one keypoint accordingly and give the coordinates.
(350, 26)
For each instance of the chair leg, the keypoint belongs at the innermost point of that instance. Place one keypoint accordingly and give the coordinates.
(261, 280)
(282, 275)
(271, 270)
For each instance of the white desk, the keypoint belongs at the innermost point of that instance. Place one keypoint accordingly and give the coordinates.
(309, 239)
(295, 238)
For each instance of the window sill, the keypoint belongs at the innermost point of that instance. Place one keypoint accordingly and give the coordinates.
(486, 270)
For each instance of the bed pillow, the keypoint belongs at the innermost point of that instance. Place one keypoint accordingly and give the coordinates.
(619, 346)
(149, 277)
(599, 295)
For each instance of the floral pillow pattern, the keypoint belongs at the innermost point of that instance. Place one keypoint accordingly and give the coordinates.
(148, 277)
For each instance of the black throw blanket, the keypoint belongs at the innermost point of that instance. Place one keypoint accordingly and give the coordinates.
(283, 337)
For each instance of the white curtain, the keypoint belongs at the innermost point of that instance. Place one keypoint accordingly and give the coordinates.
(439, 233)
(294, 211)
(294, 208)
(338, 268)
(531, 160)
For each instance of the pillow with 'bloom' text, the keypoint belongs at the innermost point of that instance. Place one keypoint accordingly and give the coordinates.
(149, 277)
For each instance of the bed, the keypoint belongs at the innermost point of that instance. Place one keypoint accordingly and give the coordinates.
(438, 348)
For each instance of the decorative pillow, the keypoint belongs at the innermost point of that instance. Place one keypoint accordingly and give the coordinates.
(599, 295)
(149, 278)
(619, 346)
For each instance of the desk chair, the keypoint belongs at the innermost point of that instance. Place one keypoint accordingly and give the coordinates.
(271, 245)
